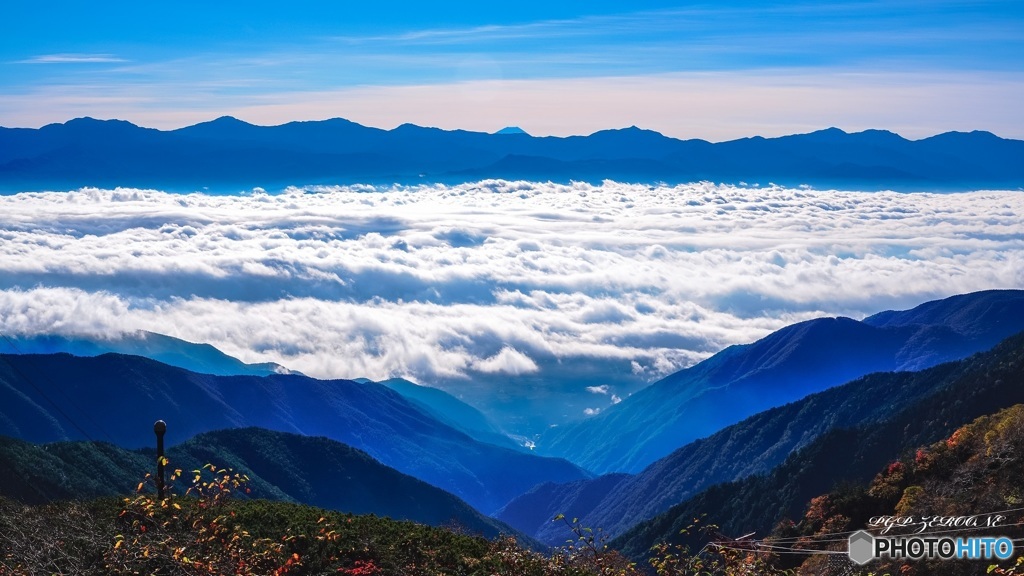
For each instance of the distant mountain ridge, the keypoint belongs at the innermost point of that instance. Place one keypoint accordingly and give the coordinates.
(206, 359)
(228, 153)
(452, 411)
(782, 367)
(202, 358)
(45, 398)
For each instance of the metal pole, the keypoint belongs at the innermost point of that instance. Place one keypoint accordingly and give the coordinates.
(160, 427)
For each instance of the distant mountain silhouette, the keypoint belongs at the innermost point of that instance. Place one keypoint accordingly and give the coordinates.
(511, 130)
(44, 398)
(782, 367)
(452, 411)
(280, 466)
(202, 358)
(228, 154)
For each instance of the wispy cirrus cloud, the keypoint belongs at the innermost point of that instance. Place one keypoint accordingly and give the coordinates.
(540, 296)
(72, 59)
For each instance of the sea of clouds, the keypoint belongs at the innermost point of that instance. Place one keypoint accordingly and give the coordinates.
(518, 296)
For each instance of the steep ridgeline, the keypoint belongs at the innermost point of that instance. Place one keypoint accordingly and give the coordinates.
(310, 470)
(117, 398)
(202, 358)
(982, 384)
(207, 359)
(452, 411)
(615, 502)
(782, 367)
(230, 154)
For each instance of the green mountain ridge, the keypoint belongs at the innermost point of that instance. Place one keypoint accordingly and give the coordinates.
(315, 471)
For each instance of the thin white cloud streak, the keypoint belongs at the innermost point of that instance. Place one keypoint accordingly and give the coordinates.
(72, 59)
(494, 279)
(734, 29)
(715, 106)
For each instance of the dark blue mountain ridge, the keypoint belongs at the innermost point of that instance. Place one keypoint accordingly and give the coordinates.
(112, 397)
(228, 152)
(207, 359)
(782, 367)
(196, 357)
(451, 411)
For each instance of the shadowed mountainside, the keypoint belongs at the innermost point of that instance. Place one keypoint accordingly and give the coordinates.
(784, 366)
(615, 502)
(846, 456)
(46, 398)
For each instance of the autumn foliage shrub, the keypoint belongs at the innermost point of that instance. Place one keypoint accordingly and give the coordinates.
(192, 535)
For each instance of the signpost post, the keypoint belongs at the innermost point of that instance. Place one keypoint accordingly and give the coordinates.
(160, 427)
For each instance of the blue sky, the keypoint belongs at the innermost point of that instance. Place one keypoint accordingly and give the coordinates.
(713, 70)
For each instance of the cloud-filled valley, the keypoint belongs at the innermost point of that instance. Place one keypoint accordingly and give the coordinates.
(557, 298)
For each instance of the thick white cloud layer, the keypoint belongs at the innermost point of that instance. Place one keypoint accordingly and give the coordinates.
(491, 283)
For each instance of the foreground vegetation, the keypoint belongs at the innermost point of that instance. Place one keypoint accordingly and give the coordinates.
(205, 531)
(202, 529)
(978, 470)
